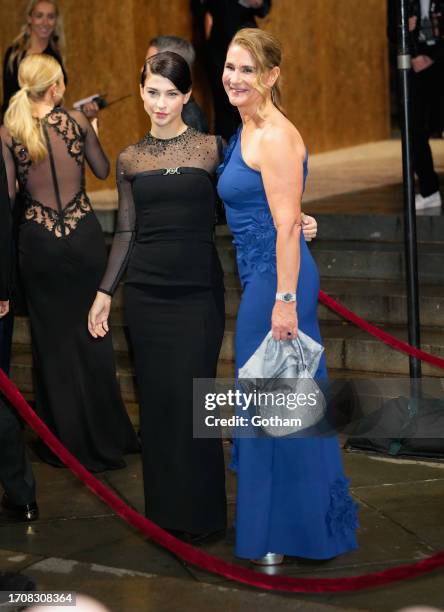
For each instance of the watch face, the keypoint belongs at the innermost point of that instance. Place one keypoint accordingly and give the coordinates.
(287, 297)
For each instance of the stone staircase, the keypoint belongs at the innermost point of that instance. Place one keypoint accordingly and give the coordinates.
(360, 259)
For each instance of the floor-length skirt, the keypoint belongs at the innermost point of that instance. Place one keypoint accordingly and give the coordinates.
(176, 335)
(292, 496)
(76, 389)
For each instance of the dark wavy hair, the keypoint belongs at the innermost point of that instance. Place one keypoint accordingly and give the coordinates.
(171, 66)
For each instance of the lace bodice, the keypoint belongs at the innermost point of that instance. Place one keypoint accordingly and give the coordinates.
(71, 140)
(151, 178)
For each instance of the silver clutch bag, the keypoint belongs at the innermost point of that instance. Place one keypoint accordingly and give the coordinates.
(280, 376)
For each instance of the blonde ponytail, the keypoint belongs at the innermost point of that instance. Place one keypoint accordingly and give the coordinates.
(36, 75)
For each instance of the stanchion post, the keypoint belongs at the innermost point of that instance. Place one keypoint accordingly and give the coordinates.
(411, 255)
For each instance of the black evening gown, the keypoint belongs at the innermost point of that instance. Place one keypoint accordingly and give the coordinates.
(174, 301)
(62, 257)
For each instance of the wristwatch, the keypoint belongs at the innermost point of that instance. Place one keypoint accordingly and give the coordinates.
(286, 297)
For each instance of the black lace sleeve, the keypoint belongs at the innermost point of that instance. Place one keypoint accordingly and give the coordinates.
(94, 153)
(5, 232)
(125, 231)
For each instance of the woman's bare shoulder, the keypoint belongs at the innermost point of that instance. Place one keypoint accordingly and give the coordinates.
(282, 134)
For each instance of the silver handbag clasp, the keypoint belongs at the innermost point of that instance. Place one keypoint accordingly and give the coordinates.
(171, 171)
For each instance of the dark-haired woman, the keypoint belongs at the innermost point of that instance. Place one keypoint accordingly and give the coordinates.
(174, 299)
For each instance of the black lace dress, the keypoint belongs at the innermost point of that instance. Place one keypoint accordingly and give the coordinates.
(62, 257)
(175, 311)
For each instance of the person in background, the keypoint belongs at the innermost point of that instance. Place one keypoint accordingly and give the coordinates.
(192, 114)
(16, 475)
(222, 19)
(426, 26)
(42, 32)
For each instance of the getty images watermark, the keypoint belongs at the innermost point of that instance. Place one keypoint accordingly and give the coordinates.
(397, 408)
(253, 409)
(245, 401)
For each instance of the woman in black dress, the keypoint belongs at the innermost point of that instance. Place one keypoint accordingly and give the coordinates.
(62, 257)
(42, 32)
(174, 299)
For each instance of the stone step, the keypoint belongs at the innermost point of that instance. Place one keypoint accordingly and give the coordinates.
(362, 260)
(368, 228)
(382, 301)
(377, 301)
(374, 228)
(21, 374)
(22, 335)
(378, 261)
(378, 228)
(347, 348)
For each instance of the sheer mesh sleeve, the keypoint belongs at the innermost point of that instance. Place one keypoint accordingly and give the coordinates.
(5, 232)
(126, 228)
(94, 153)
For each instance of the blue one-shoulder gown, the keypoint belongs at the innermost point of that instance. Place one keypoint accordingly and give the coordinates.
(292, 496)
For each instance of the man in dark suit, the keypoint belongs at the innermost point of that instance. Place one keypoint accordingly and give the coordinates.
(16, 474)
(223, 18)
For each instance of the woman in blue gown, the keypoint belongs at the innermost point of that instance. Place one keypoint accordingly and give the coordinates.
(292, 495)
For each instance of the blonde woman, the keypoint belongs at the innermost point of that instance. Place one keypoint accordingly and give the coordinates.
(42, 32)
(292, 496)
(62, 258)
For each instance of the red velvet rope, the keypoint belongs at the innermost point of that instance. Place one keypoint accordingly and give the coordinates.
(198, 557)
(399, 345)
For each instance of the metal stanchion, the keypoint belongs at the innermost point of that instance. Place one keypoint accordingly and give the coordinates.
(411, 255)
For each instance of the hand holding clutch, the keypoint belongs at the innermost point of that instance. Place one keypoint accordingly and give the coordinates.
(285, 369)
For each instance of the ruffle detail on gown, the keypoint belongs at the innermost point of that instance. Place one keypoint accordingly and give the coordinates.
(342, 514)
